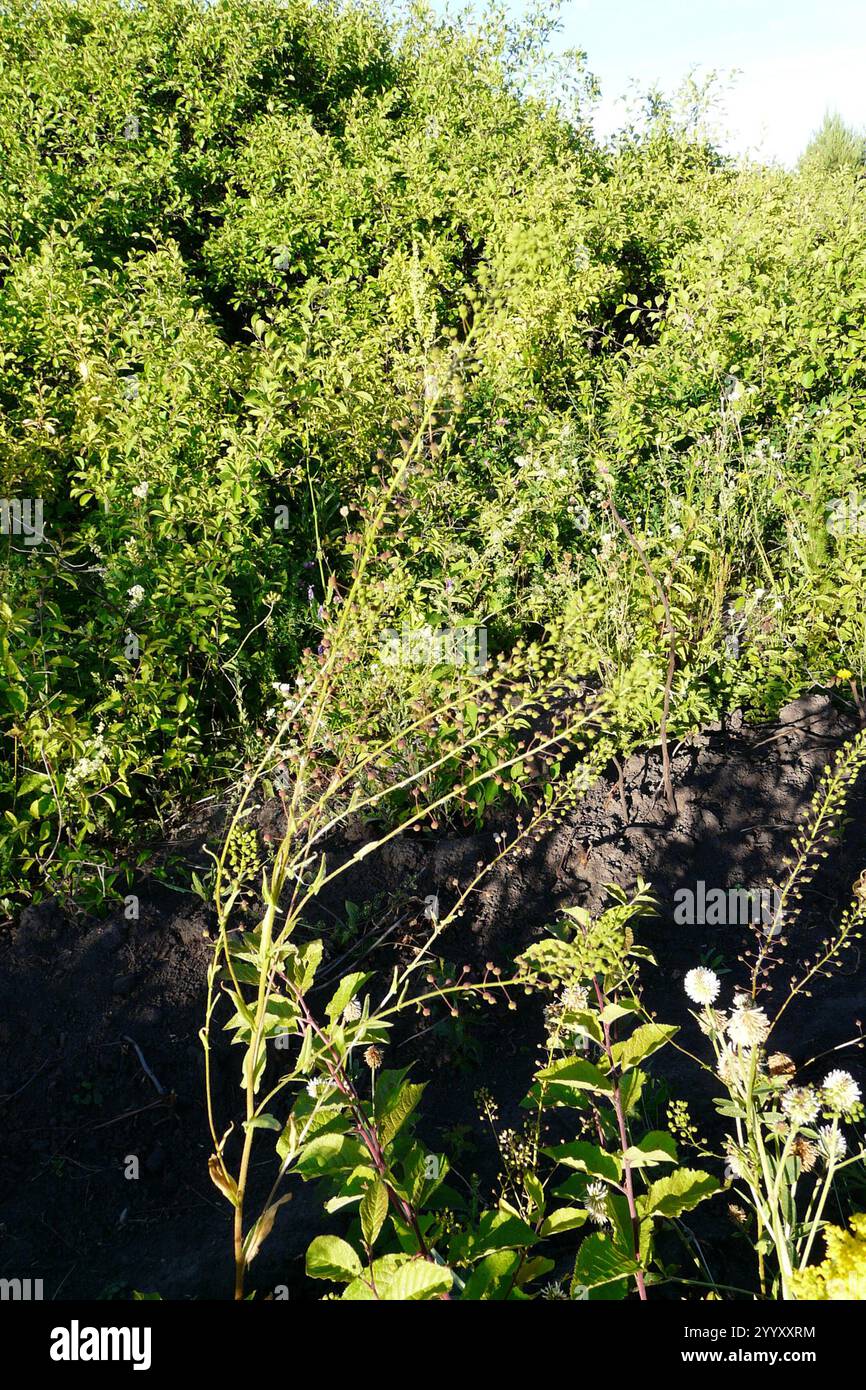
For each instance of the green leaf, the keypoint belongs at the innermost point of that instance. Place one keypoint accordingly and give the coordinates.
(374, 1209)
(263, 1122)
(576, 1072)
(587, 1158)
(678, 1192)
(345, 992)
(564, 1219)
(496, 1230)
(302, 964)
(328, 1153)
(331, 1258)
(612, 1012)
(630, 1088)
(658, 1146)
(600, 1264)
(644, 1041)
(493, 1278)
(397, 1110)
(586, 1023)
(417, 1280)
(360, 1290)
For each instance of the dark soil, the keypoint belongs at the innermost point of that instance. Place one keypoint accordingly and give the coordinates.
(99, 1020)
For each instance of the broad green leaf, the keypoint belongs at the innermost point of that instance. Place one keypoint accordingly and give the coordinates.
(678, 1192)
(496, 1230)
(416, 1280)
(493, 1279)
(644, 1041)
(360, 1289)
(599, 1264)
(658, 1146)
(564, 1219)
(397, 1110)
(328, 1153)
(329, 1257)
(587, 1158)
(576, 1072)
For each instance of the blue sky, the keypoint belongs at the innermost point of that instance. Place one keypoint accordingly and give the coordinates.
(796, 59)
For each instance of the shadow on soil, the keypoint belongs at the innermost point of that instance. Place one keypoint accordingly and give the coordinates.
(99, 1022)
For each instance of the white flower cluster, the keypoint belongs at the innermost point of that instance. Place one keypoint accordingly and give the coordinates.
(747, 1026)
(91, 762)
(737, 1038)
(595, 1201)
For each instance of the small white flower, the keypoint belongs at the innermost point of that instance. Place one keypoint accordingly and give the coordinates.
(555, 1290)
(574, 998)
(135, 595)
(841, 1092)
(748, 1026)
(832, 1144)
(352, 1011)
(702, 985)
(317, 1086)
(801, 1104)
(141, 490)
(595, 1202)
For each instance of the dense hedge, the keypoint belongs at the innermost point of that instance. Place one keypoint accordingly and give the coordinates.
(239, 241)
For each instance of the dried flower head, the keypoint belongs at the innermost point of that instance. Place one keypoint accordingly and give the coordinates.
(373, 1058)
(806, 1151)
(780, 1064)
